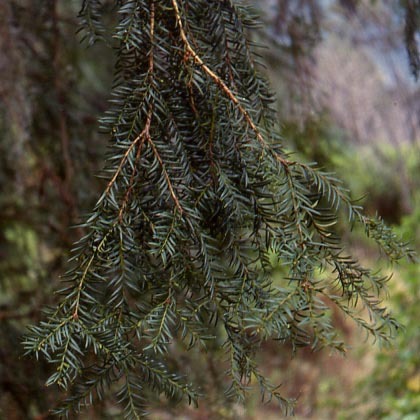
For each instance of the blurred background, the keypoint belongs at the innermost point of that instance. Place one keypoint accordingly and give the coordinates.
(344, 72)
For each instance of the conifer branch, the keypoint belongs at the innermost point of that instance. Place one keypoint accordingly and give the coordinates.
(139, 139)
(92, 258)
(165, 173)
(200, 198)
(220, 83)
(132, 179)
(146, 131)
(145, 134)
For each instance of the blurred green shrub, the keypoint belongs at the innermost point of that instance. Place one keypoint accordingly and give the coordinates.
(383, 177)
(393, 388)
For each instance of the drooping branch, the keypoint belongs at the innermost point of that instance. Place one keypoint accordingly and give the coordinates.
(200, 198)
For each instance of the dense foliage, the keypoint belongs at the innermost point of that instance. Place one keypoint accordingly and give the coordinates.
(199, 198)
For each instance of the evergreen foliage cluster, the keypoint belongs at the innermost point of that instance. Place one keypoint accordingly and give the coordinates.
(199, 197)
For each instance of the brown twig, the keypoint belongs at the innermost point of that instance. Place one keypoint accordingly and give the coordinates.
(123, 160)
(145, 132)
(131, 183)
(165, 174)
(219, 82)
(144, 136)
